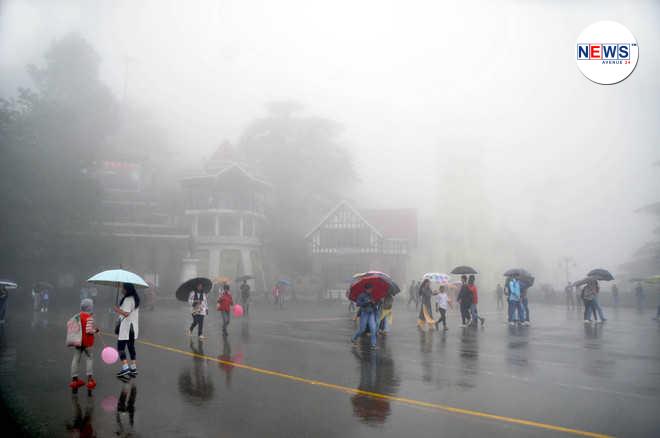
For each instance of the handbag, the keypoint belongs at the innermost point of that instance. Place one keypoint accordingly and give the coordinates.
(117, 325)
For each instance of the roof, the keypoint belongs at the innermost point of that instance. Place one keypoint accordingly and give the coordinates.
(234, 168)
(224, 152)
(387, 223)
(334, 210)
(394, 223)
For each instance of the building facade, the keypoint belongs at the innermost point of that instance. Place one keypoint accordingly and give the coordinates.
(348, 241)
(225, 208)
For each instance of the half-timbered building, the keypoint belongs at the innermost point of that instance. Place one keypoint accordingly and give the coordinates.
(347, 241)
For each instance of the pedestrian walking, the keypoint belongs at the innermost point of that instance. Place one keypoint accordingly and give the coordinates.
(587, 294)
(245, 297)
(277, 296)
(200, 308)
(474, 312)
(442, 302)
(367, 315)
(413, 296)
(499, 296)
(465, 301)
(570, 296)
(615, 296)
(515, 307)
(425, 317)
(385, 315)
(128, 329)
(225, 301)
(88, 330)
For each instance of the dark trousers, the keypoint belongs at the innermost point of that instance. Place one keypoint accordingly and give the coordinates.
(225, 321)
(198, 320)
(443, 317)
(130, 343)
(465, 314)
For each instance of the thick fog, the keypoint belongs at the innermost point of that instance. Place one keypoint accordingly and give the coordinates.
(473, 112)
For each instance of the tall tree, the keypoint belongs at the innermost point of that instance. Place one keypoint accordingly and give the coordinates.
(303, 157)
(48, 136)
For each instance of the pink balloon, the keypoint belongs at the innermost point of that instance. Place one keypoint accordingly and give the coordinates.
(109, 355)
(109, 404)
(238, 310)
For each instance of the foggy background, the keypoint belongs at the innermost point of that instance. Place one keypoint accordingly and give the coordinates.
(473, 112)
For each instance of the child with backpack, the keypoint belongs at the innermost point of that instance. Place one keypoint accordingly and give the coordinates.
(80, 336)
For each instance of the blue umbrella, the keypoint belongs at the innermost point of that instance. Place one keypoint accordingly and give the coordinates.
(115, 277)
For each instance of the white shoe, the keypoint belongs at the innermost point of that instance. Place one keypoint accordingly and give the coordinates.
(512, 324)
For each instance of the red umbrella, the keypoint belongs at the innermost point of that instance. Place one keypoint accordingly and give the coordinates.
(381, 285)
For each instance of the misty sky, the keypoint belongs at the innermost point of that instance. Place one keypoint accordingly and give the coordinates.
(417, 85)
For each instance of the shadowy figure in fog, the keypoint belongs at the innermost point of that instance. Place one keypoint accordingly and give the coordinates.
(474, 312)
(125, 415)
(499, 296)
(413, 294)
(81, 424)
(570, 296)
(639, 296)
(245, 297)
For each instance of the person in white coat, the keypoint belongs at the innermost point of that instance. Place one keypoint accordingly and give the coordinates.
(199, 308)
(129, 314)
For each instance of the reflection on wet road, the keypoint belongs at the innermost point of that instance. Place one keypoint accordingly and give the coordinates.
(285, 373)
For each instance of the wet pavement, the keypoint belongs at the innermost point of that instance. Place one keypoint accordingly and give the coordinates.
(292, 372)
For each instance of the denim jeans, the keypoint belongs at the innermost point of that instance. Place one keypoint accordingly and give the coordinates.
(515, 306)
(525, 308)
(367, 318)
(474, 313)
(588, 310)
(596, 308)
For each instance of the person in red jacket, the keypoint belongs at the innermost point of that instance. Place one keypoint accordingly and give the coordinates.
(475, 300)
(88, 331)
(225, 301)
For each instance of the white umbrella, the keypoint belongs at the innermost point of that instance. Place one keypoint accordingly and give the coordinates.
(8, 284)
(115, 277)
(437, 277)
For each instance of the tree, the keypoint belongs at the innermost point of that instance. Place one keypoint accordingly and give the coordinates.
(303, 157)
(49, 135)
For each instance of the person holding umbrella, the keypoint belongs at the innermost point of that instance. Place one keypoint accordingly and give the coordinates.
(588, 293)
(465, 300)
(200, 306)
(129, 313)
(368, 311)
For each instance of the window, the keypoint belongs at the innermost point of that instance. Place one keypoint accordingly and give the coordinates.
(248, 226)
(230, 226)
(206, 225)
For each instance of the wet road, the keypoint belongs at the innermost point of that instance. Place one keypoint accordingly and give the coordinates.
(292, 372)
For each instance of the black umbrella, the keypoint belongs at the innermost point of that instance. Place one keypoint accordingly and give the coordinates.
(464, 270)
(244, 278)
(518, 272)
(601, 274)
(184, 290)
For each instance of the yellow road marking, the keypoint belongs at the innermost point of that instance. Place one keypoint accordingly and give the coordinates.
(403, 400)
